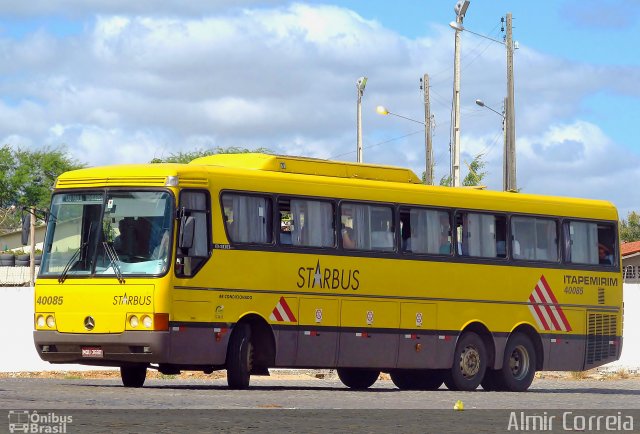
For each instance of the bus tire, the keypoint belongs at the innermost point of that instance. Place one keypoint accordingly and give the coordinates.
(358, 378)
(519, 365)
(469, 363)
(133, 375)
(425, 379)
(492, 381)
(405, 379)
(239, 357)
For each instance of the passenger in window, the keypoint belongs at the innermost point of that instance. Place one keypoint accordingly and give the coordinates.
(604, 257)
(348, 241)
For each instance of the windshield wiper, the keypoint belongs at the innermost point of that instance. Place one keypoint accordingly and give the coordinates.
(72, 261)
(113, 260)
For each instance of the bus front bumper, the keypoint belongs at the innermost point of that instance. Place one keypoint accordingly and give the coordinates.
(178, 345)
(103, 349)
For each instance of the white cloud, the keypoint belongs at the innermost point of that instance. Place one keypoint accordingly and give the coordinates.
(136, 86)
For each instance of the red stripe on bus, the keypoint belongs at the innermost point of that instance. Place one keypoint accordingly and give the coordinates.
(287, 309)
(534, 304)
(277, 314)
(563, 317)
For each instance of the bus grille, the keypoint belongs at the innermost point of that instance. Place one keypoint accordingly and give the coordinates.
(601, 330)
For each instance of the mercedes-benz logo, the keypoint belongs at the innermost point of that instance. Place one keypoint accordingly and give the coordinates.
(89, 323)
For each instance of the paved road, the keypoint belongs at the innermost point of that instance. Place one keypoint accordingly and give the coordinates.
(379, 409)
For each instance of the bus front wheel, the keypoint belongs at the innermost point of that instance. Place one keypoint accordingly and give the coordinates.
(239, 357)
(469, 363)
(133, 375)
(518, 367)
(356, 378)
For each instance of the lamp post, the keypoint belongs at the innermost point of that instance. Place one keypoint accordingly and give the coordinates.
(506, 164)
(509, 117)
(460, 9)
(360, 85)
(382, 110)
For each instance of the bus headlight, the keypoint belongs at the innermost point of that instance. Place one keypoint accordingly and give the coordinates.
(40, 321)
(133, 321)
(51, 321)
(146, 321)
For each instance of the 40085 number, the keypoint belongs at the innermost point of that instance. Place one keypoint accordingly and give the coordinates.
(52, 299)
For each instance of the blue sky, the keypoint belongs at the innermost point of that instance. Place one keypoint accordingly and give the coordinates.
(116, 81)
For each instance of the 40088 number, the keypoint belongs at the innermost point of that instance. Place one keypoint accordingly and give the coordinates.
(54, 300)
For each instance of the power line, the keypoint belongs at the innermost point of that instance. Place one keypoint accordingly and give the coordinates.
(378, 144)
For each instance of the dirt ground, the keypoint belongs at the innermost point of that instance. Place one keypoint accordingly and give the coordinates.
(287, 374)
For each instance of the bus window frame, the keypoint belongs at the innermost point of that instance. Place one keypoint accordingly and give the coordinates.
(559, 236)
(482, 259)
(277, 222)
(370, 252)
(566, 245)
(105, 191)
(407, 208)
(269, 215)
(209, 225)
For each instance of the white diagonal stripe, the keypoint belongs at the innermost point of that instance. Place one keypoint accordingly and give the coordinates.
(543, 309)
(283, 313)
(535, 316)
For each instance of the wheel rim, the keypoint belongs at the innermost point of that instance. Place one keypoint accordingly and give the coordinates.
(519, 362)
(469, 362)
(249, 360)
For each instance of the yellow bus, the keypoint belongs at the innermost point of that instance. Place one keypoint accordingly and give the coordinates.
(248, 262)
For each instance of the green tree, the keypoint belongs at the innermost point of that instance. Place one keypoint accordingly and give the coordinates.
(474, 176)
(27, 178)
(630, 228)
(186, 157)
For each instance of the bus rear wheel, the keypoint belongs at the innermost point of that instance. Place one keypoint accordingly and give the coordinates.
(469, 363)
(239, 358)
(425, 379)
(133, 375)
(357, 378)
(492, 381)
(519, 365)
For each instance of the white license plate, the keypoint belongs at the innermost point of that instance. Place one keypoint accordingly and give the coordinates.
(92, 352)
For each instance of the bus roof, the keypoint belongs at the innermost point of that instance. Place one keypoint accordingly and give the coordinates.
(310, 166)
(308, 176)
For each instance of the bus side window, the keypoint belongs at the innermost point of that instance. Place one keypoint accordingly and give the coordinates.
(582, 238)
(607, 244)
(195, 204)
(481, 235)
(248, 218)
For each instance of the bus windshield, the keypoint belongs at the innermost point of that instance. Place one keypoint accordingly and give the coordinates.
(107, 233)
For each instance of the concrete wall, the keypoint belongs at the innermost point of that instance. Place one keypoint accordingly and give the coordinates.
(16, 325)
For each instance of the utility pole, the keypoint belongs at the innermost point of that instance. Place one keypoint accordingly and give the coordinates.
(460, 9)
(510, 124)
(427, 133)
(32, 253)
(505, 153)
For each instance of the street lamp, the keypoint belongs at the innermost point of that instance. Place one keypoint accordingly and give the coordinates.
(508, 159)
(361, 83)
(482, 104)
(382, 110)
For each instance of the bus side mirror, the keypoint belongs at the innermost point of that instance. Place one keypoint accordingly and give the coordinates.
(187, 232)
(26, 226)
